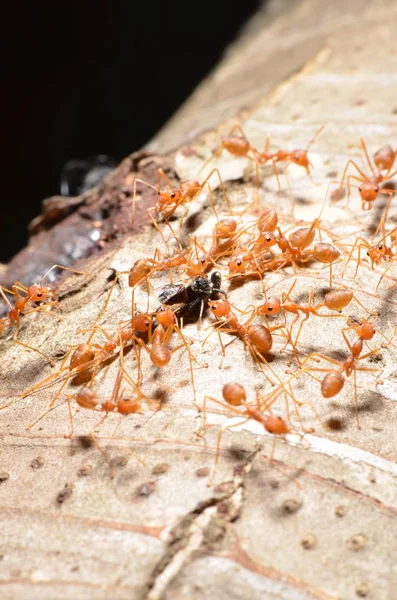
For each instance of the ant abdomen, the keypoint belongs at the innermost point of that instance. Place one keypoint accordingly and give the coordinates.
(127, 406)
(160, 356)
(225, 228)
(260, 337)
(83, 354)
(332, 384)
(338, 299)
(268, 222)
(325, 253)
(138, 271)
(234, 394)
(237, 146)
(86, 398)
(384, 158)
(302, 238)
(276, 425)
(191, 188)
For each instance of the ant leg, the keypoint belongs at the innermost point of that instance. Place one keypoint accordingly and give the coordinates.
(222, 184)
(101, 450)
(350, 185)
(42, 309)
(166, 221)
(364, 147)
(383, 220)
(15, 339)
(49, 406)
(211, 197)
(287, 295)
(218, 443)
(103, 310)
(6, 300)
(220, 433)
(259, 359)
(66, 269)
(162, 176)
(134, 196)
(356, 399)
(156, 225)
(222, 345)
(291, 195)
(191, 358)
(351, 162)
(365, 244)
(70, 417)
(383, 275)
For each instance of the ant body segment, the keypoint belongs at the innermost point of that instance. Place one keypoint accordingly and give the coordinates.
(234, 397)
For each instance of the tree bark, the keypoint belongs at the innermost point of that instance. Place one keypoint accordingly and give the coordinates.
(310, 516)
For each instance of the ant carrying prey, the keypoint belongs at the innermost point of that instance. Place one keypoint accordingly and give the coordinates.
(196, 293)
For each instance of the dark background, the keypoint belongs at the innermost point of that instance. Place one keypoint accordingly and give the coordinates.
(94, 77)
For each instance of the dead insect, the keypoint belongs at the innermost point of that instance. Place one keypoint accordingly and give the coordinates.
(196, 293)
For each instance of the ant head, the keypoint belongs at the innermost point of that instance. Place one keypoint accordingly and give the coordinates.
(165, 316)
(142, 322)
(168, 197)
(368, 192)
(234, 394)
(237, 263)
(219, 308)
(268, 239)
(377, 252)
(271, 306)
(199, 266)
(39, 293)
(299, 157)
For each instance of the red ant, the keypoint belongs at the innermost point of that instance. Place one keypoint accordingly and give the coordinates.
(377, 253)
(169, 200)
(369, 188)
(239, 146)
(36, 292)
(87, 356)
(296, 157)
(160, 354)
(235, 396)
(256, 337)
(334, 380)
(294, 250)
(224, 237)
(120, 402)
(334, 300)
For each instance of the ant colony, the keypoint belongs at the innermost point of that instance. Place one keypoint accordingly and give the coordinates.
(268, 315)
